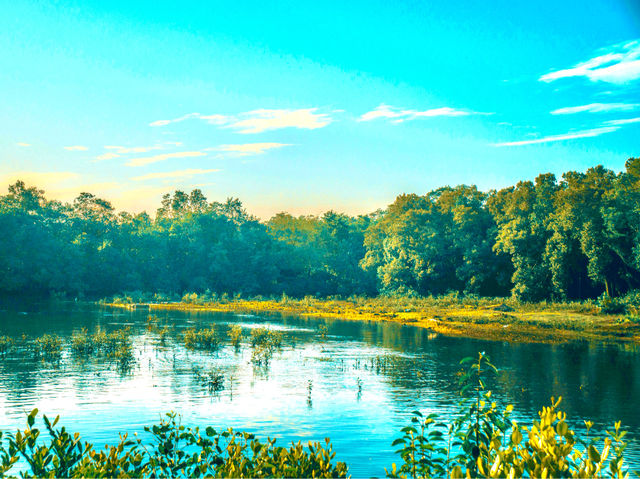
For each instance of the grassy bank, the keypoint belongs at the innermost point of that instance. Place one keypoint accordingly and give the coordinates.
(480, 318)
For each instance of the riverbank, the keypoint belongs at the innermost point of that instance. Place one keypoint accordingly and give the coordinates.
(480, 319)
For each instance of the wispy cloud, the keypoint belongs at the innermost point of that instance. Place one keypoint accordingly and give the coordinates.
(399, 115)
(622, 122)
(596, 108)
(116, 151)
(174, 174)
(617, 64)
(250, 148)
(76, 148)
(165, 156)
(258, 121)
(567, 136)
(175, 120)
(24, 145)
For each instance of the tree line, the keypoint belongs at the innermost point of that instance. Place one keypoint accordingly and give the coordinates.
(550, 239)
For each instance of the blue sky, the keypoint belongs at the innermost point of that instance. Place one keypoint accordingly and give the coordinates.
(309, 106)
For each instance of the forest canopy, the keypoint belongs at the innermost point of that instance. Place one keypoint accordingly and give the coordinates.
(551, 239)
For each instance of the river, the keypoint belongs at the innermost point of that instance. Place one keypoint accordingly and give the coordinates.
(355, 382)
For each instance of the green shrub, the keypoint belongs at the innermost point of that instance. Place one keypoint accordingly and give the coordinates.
(609, 305)
(48, 346)
(201, 339)
(175, 451)
(482, 441)
(235, 335)
(82, 344)
(6, 343)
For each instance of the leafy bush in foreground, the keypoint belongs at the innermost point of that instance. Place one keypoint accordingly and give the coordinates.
(483, 442)
(175, 451)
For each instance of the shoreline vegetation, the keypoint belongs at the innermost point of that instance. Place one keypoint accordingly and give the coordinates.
(499, 319)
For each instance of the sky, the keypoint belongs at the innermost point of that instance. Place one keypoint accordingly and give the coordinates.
(307, 106)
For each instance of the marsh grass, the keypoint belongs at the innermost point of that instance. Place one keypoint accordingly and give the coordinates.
(204, 339)
(264, 343)
(235, 335)
(114, 346)
(48, 346)
(6, 345)
(213, 379)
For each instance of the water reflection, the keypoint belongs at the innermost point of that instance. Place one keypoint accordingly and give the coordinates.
(356, 382)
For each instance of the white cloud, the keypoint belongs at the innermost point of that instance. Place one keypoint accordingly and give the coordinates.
(621, 64)
(567, 136)
(24, 145)
(258, 121)
(76, 148)
(250, 148)
(122, 150)
(625, 121)
(596, 108)
(399, 115)
(174, 174)
(175, 120)
(165, 156)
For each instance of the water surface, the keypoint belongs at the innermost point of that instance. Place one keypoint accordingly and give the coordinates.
(356, 384)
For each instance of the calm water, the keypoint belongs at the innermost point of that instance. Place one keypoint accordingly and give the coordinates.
(358, 385)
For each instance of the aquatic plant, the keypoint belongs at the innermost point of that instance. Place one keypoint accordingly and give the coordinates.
(115, 346)
(213, 379)
(323, 330)
(201, 339)
(6, 343)
(174, 451)
(266, 337)
(482, 441)
(235, 335)
(48, 346)
(82, 343)
(264, 342)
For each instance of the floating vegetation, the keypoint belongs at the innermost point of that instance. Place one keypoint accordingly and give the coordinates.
(152, 326)
(309, 391)
(6, 344)
(264, 342)
(235, 335)
(266, 337)
(82, 343)
(115, 346)
(213, 380)
(206, 339)
(359, 385)
(48, 346)
(323, 330)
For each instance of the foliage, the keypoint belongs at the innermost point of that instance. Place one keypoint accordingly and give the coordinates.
(6, 343)
(264, 342)
(201, 339)
(174, 451)
(235, 335)
(554, 239)
(482, 441)
(48, 346)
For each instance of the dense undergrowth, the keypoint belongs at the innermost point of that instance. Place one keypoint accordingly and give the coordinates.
(627, 304)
